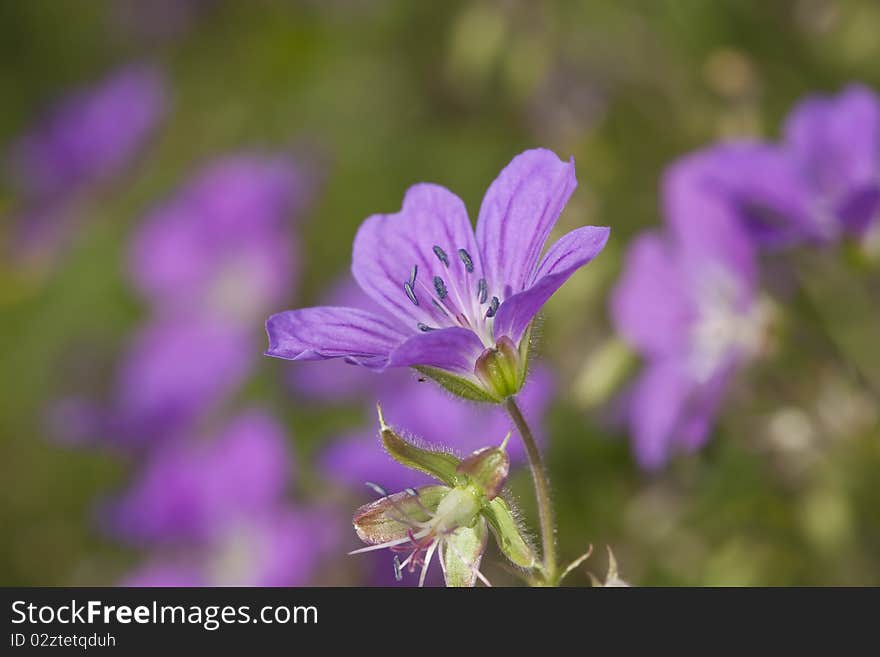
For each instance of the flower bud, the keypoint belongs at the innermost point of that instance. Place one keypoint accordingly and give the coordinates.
(500, 369)
(487, 468)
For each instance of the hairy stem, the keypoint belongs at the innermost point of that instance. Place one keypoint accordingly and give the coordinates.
(542, 490)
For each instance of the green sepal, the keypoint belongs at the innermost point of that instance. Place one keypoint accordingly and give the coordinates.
(462, 552)
(508, 535)
(459, 386)
(441, 465)
(382, 520)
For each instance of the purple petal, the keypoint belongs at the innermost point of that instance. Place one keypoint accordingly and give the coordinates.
(657, 403)
(704, 224)
(196, 491)
(221, 244)
(651, 305)
(174, 373)
(860, 210)
(388, 247)
(517, 214)
(332, 332)
(757, 184)
(836, 140)
(570, 253)
(165, 572)
(91, 134)
(452, 349)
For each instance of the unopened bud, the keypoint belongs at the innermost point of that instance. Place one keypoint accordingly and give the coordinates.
(499, 369)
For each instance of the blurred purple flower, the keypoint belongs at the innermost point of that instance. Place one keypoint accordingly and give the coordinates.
(223, 246)
(431, 414)
(446, 293)
(215, 513)
(173, 374)
(687, 303)
(88, 138)
(821, 182)
(90, 135)
(835, 144)
(276, 547)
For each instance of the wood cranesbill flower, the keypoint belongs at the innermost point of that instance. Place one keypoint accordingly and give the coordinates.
(223, 245)
(87, 139)
(215, 512)
(819, 183)
(457, 304)
(688, 303)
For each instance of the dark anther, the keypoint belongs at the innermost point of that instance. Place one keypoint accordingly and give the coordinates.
(413, 274)
(493, 307)
(482, 290)
(466, 259)
(424, 328)
(377, 489)
(440, 287)
(441, 255)
(407, 287)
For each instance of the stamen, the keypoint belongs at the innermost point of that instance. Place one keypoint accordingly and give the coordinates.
(407, 287)
(381, 492)
(466, 259)
(411, 491)
(482, 290)
(440, 287)
(412, 276)
(424, 328)
(441, 255)
(439, 307)
(397, 574)
(493, 307)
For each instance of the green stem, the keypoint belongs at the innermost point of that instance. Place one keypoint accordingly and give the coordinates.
(542, 490)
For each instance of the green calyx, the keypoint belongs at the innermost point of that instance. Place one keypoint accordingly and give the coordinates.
(501, 370)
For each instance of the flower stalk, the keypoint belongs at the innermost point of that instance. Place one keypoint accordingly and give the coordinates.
(542, 492)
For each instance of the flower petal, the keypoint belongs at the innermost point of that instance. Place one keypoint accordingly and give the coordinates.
(452, 349)
(517, 214)
(835, 139)
(657, 404)
(570, 253)
(650, 305)
(388, 247)
(385, 519)
(754, 182)
(332, 332)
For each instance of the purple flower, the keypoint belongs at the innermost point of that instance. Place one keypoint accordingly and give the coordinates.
(172, 375)
(214, 512)
(275, 547)
(90, 135)
(222, 246)
(88, 138)
(434, 416)
(687, 303)
(456, 304)
(835, 144)
(191, 490)
(821, 182)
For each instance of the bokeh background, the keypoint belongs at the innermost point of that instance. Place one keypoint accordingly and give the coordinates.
(363, 98)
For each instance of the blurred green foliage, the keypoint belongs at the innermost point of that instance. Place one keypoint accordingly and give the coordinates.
(385, 94)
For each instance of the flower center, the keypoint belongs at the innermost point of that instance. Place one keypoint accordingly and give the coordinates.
(726, 324)
(456, 298)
